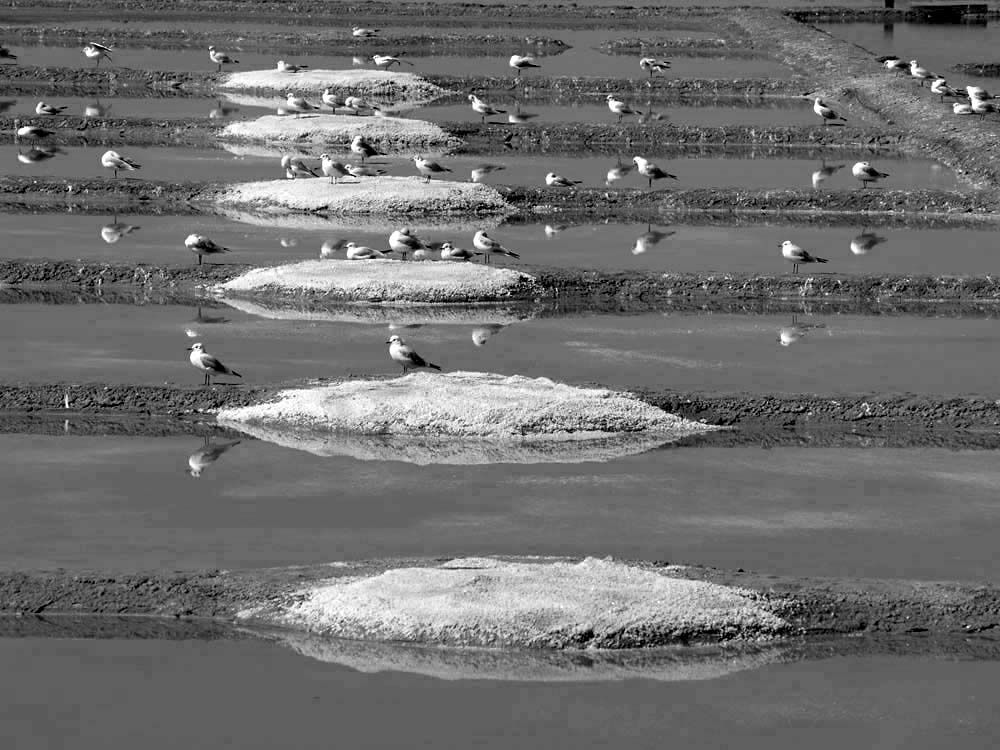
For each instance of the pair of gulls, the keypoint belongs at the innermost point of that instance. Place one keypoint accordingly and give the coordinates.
(405, 242)
(797, 256)
(399, 351)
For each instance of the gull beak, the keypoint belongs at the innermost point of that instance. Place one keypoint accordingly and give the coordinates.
(190, 349)
(388, 341)
(778, 245)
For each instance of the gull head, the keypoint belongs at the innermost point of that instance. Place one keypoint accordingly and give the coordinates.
(394, 339)
(324, 156)
(786, 244)
(197, 347)
(862, 165)
(417, 158)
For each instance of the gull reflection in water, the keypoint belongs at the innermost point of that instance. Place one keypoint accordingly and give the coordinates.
(649, 239)
(517, 116)
(288, 242)
(113, 232)
(223, 110)
(865, 242)
(37, 154)
(792, 333)
(96, 109)
(618, 172)
(207, 454)
(551, 230)
(482, 334)
(331, 247)
(824, 172)
(6, 104)
(200, 317)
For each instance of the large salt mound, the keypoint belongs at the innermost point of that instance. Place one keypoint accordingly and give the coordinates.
(377, 84)
(387, 281)
(677, 663)
(402, 197)
(461, 418)
(388, 133)
(487, 602)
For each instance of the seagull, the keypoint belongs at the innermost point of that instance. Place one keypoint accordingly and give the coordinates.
(94, 50)
(332, 169)
(490, 246)
(361, 252)
(940, 87)
(403, 353)
(426, 167)
(298, 104)
(450, 252)
(520, 62)
(363, 148)
(112, 233)
(824, 172)
(557, 180)
(867, 173)
(295, 167)
(48, 109)
(650, 171)
(35, 132)
(363, 170)
(648, 239)
(220, 58)
(328, 248)
(284, 67)
(331, 100)
(921, 74)
(960, 108)
(653, 65)
(978, 92)
(825, 112)
(6, 54)
(620, 108)
(209, 453)
(404, 241)
(796, 255)
(894, 63)
(202, 245)
(481, 171)
(865, 241)
(37, 154)
(114, 160)
(982, 107)
(387, 61)
(358, 31)
(207, 363)
(478, 105)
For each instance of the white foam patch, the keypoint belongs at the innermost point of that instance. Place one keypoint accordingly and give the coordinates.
(377, 84)
(387, 281)
(336, 131)
(545, 604)
(398, 196)
(491, 319)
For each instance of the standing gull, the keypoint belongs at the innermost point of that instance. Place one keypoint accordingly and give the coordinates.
(298, 104)
(486, 110)
(486, 244)
(332, 169)
(114, 160)
(331, 100)
(294, 167)
(426, 167)
(363, 148)
(93, 50)
(520, 62)
(404, 241)
(653, 65)
(650, 171)
(208, 364)
(403, 353)
(796, 255)
(866, 173)
(824, 111)
(921, 74)
(202, 245)
(896, 64)
(220, 58)
(620, 107)
(940, 87)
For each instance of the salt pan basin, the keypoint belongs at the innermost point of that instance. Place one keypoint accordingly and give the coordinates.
(461, 418)
(544, 604)
(383, 85)
(402, 197)
(388, 133)
(385, 281)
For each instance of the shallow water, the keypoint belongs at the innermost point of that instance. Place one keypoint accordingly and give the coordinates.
(673, 247)
(148, 107)
(111, 694)
(140, 345)
(937, 46)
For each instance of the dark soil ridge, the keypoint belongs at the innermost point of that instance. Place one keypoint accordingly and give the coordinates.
(279, 42)
(105, 193)
(873, 415)
(193, 132)
(811, 606)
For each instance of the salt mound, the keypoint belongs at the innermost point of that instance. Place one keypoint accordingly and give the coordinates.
(491, 318)
(487, 602)
(463, 404)
(387, 281)
(671, 664)
(401, 197)
(377, 84)
(388, 133)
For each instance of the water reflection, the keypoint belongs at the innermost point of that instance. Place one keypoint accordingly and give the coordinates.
(649, 239)
(865, 242)
(200, 317)
(331, 247)
(618, 172)
(113, 232)
(208, 453)
(37, 154)
(795, 331)
(482, 334)
(223, 110)
(96, 109)
(6, 104)
(825, 171)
